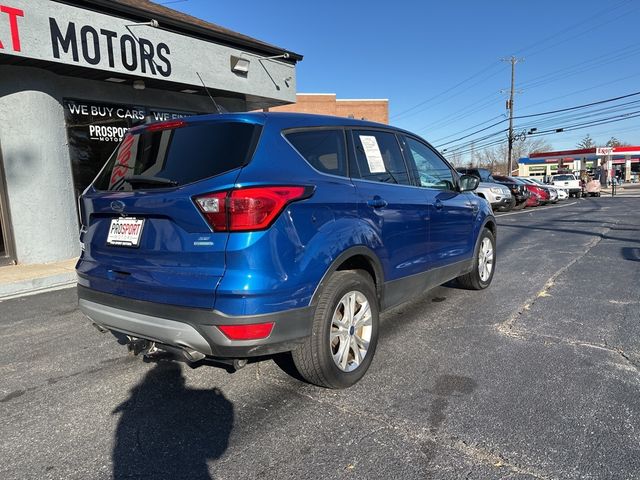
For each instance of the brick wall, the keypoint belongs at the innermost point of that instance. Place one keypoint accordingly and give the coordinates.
(328, 104)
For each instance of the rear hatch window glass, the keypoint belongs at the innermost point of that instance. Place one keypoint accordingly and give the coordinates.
(563, 178)
(178, 156)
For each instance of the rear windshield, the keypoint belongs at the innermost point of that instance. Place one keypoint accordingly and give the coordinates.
(170, 158)
(562, 178)
(501, 178)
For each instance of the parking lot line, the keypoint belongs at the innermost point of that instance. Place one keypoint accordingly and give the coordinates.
(538, 209)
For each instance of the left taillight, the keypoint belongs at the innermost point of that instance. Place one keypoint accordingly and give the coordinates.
(248, 209)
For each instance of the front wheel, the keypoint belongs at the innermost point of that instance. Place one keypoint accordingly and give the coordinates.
(483, 263)
(520, 206)
(506, 208)
(344, 334)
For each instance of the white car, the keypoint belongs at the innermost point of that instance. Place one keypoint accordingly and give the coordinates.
(562, 194)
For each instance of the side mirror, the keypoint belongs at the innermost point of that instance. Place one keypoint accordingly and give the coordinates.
(468, 183)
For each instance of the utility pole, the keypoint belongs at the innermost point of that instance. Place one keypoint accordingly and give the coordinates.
(512, 93)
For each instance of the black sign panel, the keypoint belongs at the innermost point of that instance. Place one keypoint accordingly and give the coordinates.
(95, 129)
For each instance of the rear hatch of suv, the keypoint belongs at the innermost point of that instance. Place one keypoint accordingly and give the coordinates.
(146, 231)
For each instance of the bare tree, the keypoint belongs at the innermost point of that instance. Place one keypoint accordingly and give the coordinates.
(614, 142)
(455, 158)
(495, 158)
(587, 142)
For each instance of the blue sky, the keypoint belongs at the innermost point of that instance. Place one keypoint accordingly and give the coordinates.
(574, 52)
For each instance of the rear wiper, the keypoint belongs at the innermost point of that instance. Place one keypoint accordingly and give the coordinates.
(143, 180)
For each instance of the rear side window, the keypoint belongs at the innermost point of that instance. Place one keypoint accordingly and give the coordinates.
(323, 149)
(179, 156)
(379, 157)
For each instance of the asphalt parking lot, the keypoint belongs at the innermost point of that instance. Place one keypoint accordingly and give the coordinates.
(536, 377)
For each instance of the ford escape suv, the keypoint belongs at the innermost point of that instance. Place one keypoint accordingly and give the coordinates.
(241, 235)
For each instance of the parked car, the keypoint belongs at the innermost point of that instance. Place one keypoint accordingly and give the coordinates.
(534, 200)
(542, 194)
(495, 193)
(241, 235)
(517, 187)
(556, 192)
(569, 182)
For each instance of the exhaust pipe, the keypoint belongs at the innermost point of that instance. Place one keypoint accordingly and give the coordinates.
(139, 346)
(192, 355)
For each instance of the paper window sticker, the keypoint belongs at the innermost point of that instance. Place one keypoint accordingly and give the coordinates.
(372, 152)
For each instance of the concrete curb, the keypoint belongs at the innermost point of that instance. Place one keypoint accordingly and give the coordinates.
(33, 286)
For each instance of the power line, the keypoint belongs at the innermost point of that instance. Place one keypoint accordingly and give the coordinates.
(478, 141)
(461, 113)
(465, 148)
(468, 128)
(415, 109)
(586, 105)
(599, 14)
(492, 65)
(580, 91)
(579, 68)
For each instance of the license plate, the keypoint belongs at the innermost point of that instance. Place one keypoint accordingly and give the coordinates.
(125, 232)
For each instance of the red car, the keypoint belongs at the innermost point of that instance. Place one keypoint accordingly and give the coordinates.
(539, 196)
(533, 200)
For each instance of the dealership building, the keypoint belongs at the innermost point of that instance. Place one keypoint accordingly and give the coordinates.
(76, 74)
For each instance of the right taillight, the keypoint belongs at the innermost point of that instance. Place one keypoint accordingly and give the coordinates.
(248, 209)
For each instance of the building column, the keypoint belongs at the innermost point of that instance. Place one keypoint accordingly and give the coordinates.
(627, 168)
(37, 168)
(577, 165)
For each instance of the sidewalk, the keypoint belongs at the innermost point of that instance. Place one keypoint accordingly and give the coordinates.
(19, 280)
(625, 190)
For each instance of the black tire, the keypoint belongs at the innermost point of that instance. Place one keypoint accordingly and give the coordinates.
(314, 358)
(520, 206)
(473, 280)
(509, 207)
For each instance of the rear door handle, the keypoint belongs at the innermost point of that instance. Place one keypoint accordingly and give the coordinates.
(439, 205)
(377, 202)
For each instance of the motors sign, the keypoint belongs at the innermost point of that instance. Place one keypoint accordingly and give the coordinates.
(90, 45)
(51, 31)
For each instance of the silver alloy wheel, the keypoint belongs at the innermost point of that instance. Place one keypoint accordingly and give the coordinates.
(485, 259)
(351, 329)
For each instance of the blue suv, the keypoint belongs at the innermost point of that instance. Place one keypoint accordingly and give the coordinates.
(241, 235)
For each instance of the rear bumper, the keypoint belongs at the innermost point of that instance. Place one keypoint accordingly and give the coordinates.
(193, 328)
